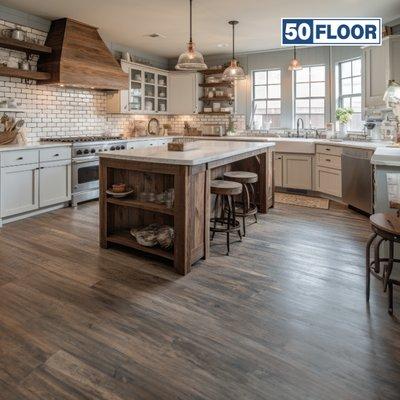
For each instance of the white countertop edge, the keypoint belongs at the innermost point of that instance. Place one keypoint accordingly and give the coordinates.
(16, 147)
(201, 160)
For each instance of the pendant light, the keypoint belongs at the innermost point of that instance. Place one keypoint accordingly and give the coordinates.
(191, 60)
(294, 65)
(234, 71)
(392, 94)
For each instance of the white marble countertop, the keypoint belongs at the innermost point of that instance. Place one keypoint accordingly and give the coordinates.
(207, 151)
(13, 147)
(387, 156)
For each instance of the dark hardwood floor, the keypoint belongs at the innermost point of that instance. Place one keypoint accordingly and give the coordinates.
(283, 317)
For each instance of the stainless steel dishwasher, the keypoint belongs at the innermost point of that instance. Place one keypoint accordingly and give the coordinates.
(357, 179)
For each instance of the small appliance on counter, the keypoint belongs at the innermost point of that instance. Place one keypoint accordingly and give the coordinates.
(213, 130)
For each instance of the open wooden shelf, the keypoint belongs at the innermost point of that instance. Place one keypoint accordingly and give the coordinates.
(216, 113)
(19, 73)
(217, 98)
(12, 110)
(124, 238)
(216, 84)
(143, 205)
(213, 71)
(19, 45)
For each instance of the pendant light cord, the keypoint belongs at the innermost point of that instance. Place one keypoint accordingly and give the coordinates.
(190, 21)
(233, 41)
(294, 52)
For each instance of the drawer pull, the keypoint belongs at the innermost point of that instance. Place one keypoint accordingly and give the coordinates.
(20, 158)
(328, 149)
(327, 159)
(56, 155)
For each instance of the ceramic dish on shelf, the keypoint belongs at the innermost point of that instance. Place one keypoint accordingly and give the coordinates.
(119, 194)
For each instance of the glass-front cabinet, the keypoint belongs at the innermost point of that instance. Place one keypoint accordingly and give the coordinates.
(147, 93)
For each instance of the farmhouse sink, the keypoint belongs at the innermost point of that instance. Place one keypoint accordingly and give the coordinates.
(303, 146)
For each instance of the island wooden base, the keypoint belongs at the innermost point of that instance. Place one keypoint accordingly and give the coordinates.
(190, 214)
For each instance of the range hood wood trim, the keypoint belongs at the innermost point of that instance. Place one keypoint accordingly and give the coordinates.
(80, 58)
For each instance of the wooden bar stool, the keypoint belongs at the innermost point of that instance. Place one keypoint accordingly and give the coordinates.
(225, 209)
(386, 228)
(248, 204)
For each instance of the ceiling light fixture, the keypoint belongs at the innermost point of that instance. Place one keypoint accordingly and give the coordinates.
(294, 64)
(191, 60)
(234, 71)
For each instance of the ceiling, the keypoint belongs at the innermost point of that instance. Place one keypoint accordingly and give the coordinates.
(126, 22)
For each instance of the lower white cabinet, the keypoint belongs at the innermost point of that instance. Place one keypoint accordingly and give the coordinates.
(19, 189)
(278, 169)
(54, 183)
(27, 184)
(297, 171)
(329, 181)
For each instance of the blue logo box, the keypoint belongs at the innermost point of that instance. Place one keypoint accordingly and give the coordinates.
(331, 31)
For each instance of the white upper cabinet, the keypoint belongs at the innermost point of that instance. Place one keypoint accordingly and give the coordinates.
(381, 64)
(185, 92)
(148, 91)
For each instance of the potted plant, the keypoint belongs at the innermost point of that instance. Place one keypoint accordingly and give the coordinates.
(343, 115)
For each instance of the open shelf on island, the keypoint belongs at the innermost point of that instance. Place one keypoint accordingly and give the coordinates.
(124, 238)
(27, 47)
(143, 205)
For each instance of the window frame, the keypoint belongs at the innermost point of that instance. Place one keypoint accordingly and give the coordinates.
(324, 98)
(266, 99)
(339, 78)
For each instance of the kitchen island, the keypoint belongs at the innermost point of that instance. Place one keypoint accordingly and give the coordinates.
(155, 170)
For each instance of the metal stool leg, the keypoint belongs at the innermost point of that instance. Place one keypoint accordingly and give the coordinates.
(389, 267)
(229, 225)
(390, 297)
(215, 215)
(253, 200)
(367, 264)
(234, 217)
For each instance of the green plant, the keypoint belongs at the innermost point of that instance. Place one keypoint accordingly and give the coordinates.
(343, 115)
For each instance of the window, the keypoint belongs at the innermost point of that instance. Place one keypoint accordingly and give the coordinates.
(348, 78)
(309, 89)
(267, 99)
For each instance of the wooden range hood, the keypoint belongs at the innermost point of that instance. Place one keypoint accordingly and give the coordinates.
(80, 58)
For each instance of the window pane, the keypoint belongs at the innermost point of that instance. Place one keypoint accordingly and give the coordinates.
(260, 92)
(317, 106)
(317, 121)
(318, 89)
(274, 77)
(302, 90)
(260, 107)
(356, 85)
(274, 91)
(274, 107)
(346, 69)
(356, 104)
(346, 102)
(346, 86)
(303, 75)
(356, 123)
(356, 67)
(260, 78)
(302, 106)
(318, 73)
(258, 119)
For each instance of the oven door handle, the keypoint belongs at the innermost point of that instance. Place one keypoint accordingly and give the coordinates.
(85, 160)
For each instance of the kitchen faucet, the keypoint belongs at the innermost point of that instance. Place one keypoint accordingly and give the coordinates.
(298, 125)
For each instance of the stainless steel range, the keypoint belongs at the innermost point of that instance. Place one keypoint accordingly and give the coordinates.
(85, 162)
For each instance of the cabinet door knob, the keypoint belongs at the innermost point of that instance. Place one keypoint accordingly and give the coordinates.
(56, 155)
(20, 158)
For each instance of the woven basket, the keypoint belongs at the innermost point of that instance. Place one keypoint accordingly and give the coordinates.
(8, 137)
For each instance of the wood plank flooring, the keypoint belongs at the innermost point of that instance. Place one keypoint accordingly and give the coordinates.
(283, 317)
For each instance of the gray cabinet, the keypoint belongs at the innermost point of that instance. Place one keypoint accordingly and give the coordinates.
(185, 93)
(380, 64)
(297, 171)
(54, 183)
(278, 169)
(19, 189)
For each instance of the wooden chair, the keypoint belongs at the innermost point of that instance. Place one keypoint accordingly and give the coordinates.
(248, 204)
(386, 228)
(224, 219)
